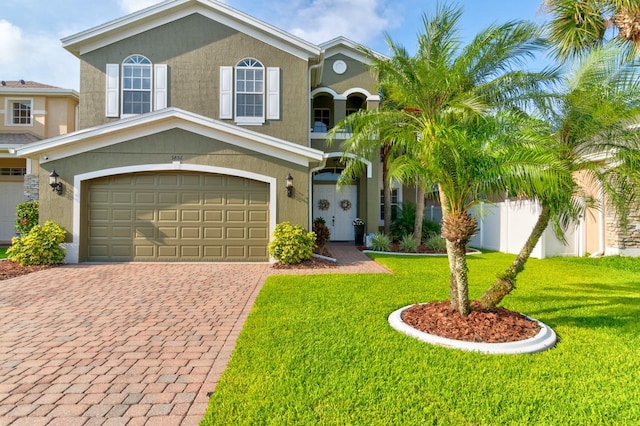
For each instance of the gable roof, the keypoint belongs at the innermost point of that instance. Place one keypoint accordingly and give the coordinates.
(349, 48)
(23, 88)
(162, 120)
(172, 10)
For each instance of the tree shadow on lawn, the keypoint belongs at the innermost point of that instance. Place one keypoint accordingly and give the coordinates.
(589, 305)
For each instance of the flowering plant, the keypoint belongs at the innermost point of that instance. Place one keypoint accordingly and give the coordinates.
(357, 221)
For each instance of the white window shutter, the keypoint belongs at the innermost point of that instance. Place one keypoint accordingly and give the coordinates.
(226, 92)
(160, 86)
(113, 90)
(273, 93)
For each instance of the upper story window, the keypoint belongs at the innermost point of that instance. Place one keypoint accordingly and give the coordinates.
(20, 112)
(135, 87)
(249, 92)
(321, 120)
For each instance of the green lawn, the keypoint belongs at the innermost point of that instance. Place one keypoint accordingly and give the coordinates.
(3, 253)
(318, 350)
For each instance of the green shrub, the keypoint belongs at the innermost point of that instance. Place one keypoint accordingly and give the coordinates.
(408, 243)
(404, 223)
(437, 244)
(381, 242)
(41, 246)
(26, 216)
(291, 244)
(322, 234)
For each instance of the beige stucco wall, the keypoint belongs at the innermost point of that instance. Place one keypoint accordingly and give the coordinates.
(194, 48)
(160, 149)
(51, 115)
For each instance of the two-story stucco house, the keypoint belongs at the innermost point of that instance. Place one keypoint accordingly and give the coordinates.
(29, 112)
(192, 117)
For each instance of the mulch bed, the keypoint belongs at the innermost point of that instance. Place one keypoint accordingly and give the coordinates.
(11, 269)
(495, 326)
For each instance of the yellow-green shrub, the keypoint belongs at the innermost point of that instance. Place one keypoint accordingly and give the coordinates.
(41, 246)
(291, 244)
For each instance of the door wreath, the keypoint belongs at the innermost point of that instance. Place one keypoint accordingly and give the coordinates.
(323, 204)
(345, 204)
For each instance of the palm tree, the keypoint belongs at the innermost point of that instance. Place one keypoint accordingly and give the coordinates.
(450, 94)
(592, 119)
(579, 25)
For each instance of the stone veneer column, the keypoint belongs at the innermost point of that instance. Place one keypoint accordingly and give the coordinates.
(619, 237)
(31, 187)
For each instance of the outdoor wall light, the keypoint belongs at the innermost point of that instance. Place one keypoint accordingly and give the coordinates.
(54, 183)
(289, 185)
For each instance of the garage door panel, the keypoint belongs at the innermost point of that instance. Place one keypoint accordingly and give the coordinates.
(168, 232)
(235, 233)
(168, 215)
(177, 216)
(144, 215)
(145, 198)
(170, 197)
(212, 233)
(236, 216)
(215, 199)
(190, 215)
(121, 215)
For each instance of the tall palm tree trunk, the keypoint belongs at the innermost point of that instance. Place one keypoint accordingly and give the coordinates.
(506, 282)
(386, 188)
(417, 226)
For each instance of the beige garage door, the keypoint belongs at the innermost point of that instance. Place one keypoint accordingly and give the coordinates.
(177, 216)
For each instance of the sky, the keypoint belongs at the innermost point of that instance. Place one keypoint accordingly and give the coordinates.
(30, 30)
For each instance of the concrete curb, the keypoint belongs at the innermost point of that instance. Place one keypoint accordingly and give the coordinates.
(544, 340)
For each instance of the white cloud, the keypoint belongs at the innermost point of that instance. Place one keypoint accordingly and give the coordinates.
(129, 6)
(38, 57)
(359, 20)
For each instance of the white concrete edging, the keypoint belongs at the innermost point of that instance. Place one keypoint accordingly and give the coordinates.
(544, 340)
(397, 253)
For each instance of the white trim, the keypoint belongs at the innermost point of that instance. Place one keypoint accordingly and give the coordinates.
(333, 93)
(361, 91)
(38, 91)
(349, 48)
(350, 155)
(73, 249)
(169, 118)
(169, 11)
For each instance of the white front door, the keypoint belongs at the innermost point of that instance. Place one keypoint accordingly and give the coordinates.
(338, 207)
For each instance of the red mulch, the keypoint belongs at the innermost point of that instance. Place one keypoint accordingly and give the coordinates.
(11, 269)
(496, 326)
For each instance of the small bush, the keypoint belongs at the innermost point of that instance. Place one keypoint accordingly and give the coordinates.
(322, 234)
(437, 244)
(381, 242)
(26, 216)
(404, 223)
(291, 244)
(408, 243)
(41, 246)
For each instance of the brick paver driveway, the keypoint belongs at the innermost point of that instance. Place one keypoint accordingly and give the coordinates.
(120, 343)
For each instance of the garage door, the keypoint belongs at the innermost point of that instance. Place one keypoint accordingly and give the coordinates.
(188, 217)
(12, 195)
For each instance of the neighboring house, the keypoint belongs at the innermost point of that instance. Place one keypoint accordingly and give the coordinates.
(29, 112)
(192, 116)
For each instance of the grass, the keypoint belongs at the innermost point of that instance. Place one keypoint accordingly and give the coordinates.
(318, 350)
(3, 252)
